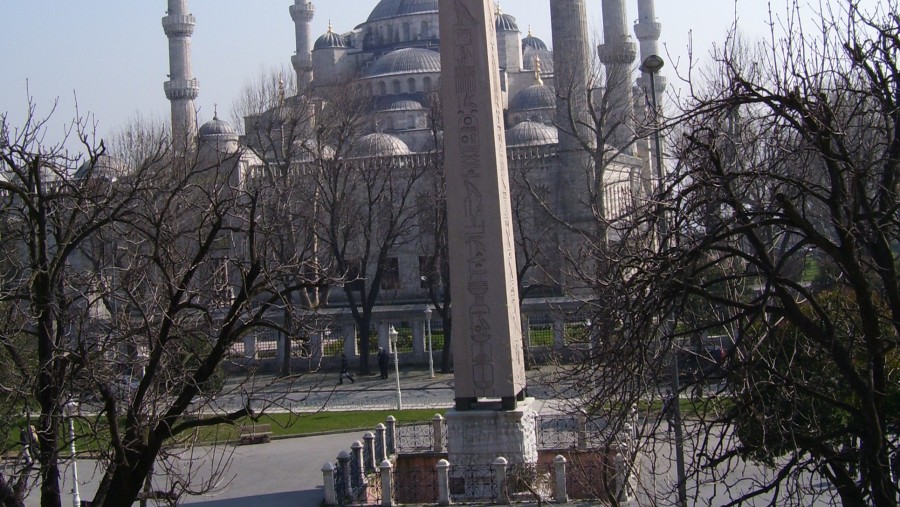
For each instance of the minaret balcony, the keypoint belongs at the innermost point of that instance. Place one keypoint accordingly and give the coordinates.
(182, 89)
(645, 30)
(179, 26)
(621, 53)
(303, 13)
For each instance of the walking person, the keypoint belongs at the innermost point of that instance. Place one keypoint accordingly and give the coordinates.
(383, 360)
(344, 371)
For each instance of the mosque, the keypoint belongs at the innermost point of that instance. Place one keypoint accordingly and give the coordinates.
(549, 99)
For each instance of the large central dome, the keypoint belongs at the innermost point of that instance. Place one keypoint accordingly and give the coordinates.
(394, 8)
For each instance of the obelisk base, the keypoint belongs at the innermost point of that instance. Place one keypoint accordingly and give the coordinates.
(476, 438)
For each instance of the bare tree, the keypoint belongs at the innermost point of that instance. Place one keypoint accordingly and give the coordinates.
(773, 294)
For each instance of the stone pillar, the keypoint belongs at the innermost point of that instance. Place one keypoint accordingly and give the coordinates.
(350, 340)
(526, 330)
(369, 451)
(380, 443)
(418, 334)
(250, 347)
(316, 347)
(357, 472)
(581, 431)
(559, 331)
(384, 340)
(279, 348)
(487, 345)
(344, 485)
(443, 478)
(560, 494)
(328, 481)
(500, 492)
(387, 484)
(391, 434)
(437, 425)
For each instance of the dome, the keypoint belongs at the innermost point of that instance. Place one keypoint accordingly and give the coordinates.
(394, 8)
(379, 145)
(403, 105)
(104, 167)
(507, 23)
(216, 128)
(529, 133)
(330, 40)
(537, 96)
(533, 42)
(530, 55)
(406, 61)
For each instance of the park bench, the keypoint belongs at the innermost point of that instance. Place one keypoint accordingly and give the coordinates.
(255, 434)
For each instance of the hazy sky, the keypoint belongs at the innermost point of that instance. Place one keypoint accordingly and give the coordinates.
(112, 54)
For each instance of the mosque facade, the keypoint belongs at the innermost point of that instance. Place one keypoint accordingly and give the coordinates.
(392, 59)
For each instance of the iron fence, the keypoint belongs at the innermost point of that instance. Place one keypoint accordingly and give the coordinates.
(415, 438)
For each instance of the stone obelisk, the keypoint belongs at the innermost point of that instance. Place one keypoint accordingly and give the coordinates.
(492, 417)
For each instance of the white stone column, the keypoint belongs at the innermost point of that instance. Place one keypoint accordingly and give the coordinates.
(391, 435)
(443, 478)
(418, 333)
(316, 346)
(250, 347)
(369, 451)
(560, 494)
(437, 425)
(350, 340)
(500, 492)
(559, 331)
(328, 480)
(387, 484)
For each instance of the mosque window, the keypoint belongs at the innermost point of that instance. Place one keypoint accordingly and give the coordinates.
(395, 85)
(382, 88)
(390, 279)
(407, 32)
(426, 84)
(411, 122)
(369, 88)
(411, 85)
(425, 31)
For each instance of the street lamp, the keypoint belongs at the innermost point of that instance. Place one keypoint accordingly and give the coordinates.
(652, 65)
(392, 336)
(430, 343)
(71, 408)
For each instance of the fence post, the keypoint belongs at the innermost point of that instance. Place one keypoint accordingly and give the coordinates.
(317, 346)
(328, 479)
(391, 437)
(581, 430)
(559, 331)
(387, 486)
(346, 489)
(443, 478)
(499, 466)
(357, 473)
(561, 495)
(380, 444)
(250, 346)
(369, 451)
(437, 423)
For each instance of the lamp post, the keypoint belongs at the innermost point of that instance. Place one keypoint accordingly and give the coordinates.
(652, 65)
(430, 343)
(70, 410)
(392, 336)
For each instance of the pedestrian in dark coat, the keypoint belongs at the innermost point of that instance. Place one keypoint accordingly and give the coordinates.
(345, 373)
(383, 360)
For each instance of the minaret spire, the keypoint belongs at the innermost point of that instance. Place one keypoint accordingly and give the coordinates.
(181, 88)
(617, 53)
(647, 30)
(302, 13)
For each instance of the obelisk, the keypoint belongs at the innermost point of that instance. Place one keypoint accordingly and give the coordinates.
(492, 416)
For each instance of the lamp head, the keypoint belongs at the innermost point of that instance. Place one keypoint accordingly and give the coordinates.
(653, 64)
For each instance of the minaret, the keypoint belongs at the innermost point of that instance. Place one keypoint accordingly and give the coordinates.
(302, 13)
(572, 71)
(617, 53)
(181, 88)
(647, 30)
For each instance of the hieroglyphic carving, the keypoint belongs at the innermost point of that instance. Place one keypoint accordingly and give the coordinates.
(487, 351)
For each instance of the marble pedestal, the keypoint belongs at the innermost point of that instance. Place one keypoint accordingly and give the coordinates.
(477, 437)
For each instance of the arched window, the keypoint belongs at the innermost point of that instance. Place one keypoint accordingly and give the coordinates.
(410, 122)
(411, 85)
(407, 32)
(425, 30)
(382, 88)
(369, 88)
(426, 84)
(395, 85)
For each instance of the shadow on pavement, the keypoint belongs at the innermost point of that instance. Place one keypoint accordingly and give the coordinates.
(308, 498)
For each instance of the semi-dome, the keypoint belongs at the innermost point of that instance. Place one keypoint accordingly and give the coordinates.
(529, 133)
(330, 40)
(536, 96)
(379, 145)
(216, 128)
(506, 23)
(406, 61)
(403, 105)
(394, 8)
